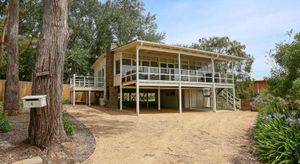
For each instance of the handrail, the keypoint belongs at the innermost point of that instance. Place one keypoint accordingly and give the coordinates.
(87, 81)
(172, 74)
(229, 96)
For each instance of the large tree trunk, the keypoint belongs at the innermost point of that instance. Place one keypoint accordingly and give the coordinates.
(11, 97)
(46, 126)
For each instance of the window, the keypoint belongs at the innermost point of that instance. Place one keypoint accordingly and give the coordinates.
(126, 67)
(100, 77)
(126, 62)
(101, 73)
(154, 64)
(145, 63)
(118, 67)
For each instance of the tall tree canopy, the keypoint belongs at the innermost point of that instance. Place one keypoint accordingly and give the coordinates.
(224, 45)
(285, 80)
(95, 24)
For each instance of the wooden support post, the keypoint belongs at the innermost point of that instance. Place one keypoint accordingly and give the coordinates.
(121, 85)
(147, 100)
(137, 83)
(180, 98)
(190, 98)
(86, 98)
(227, 96)
(158, 98)
(89, 97)
(104, 85)
(180, 89)
(214, 86)
(233, 88)
(74, 95)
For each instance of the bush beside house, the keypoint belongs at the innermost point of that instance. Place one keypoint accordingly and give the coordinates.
(277, 132)
(4, 122)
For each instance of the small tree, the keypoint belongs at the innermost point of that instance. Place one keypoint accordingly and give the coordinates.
(46, 124)
(12, 69)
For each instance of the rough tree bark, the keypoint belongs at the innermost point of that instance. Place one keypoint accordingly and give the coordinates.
(46, 125)
(11, 95)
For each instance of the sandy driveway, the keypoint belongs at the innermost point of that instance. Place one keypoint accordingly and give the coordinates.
(191, 137)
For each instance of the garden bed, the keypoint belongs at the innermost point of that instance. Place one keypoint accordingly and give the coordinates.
(13, 146)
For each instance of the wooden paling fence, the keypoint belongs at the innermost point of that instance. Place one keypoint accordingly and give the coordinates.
(25, 90)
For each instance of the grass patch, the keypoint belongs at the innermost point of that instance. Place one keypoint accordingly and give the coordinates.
(1, 106)
(66, 101)
(4, 123)
(69, 127)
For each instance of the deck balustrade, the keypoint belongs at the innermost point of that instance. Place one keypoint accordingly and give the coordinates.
(87, 81)
(172, 74)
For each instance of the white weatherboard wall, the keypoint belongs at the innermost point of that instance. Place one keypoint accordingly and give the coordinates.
(197, 98)
(101, 65)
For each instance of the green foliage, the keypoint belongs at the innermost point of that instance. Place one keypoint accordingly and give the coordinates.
(69, 127)
(94, 25)
(4, 123)
(1, 106)
(66, 101)
(21, 107)
(224, 45)
(244, 89)
(277, 132)
(296, 89)
(242, 69)
(286, 61)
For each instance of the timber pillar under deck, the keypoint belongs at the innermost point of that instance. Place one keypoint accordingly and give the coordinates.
(112, 91)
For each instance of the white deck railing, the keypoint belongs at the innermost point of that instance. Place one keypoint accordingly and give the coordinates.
(87, 81)
(172, 74)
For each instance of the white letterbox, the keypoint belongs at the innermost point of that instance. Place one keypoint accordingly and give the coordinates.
(36, 101)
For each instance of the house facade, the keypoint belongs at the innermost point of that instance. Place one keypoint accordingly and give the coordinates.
(163, 76)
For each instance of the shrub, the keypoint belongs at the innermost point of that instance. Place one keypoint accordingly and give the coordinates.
(66, 101)
(1, 106)
(277, 133)
(21, 107)
(4, 123)
(69, 127)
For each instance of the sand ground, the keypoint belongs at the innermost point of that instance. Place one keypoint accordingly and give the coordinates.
(168, 137)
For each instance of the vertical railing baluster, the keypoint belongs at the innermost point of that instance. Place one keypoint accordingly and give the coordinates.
(83, 81)
(148, 73)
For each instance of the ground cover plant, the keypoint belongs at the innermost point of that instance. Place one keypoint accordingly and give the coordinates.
(277, 131)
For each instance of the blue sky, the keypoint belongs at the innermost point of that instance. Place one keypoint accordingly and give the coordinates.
(258, 24)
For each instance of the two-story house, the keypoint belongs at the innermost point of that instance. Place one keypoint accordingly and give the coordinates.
(163, 76)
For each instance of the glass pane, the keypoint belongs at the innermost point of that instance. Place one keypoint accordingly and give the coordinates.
(154, 64)
(145, 63)
(164, 65)
(126, 62)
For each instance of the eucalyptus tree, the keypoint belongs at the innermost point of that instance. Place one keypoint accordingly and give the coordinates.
(46, 124)
(226, 46)
(12, 69)
(285, 79)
